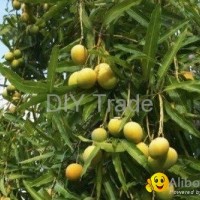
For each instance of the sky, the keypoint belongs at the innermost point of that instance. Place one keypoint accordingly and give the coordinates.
(3, 48)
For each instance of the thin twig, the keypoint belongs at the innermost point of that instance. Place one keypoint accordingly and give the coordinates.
(148, 129)
(81, 19)
(160, 131)
(176, 68)
(129, 95)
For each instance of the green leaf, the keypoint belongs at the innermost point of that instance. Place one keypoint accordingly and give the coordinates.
(39, 1)
(64, 133)
(34, 194)
(135, 153)
(129, 112)
(42, 180)
(14, 176)
(117, 10)
(108, 185)
(65, 192)
(37, 158)
(190, 86)
(32, 101)
(138, 17)
(99, 178)
(151, 41)
(181, 121)
(86, 20)
(169, 56)
(89, 109)
(2, 187)
(119, 170)
(90, 158)
(52, 12)
(172, 31)
(21, 84)
(53, 63)
(108, 147)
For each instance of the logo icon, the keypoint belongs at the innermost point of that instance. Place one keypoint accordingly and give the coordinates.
(158, 182)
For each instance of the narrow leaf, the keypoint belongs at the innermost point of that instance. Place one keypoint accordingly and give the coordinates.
(42, 180)
(137, 17)
(90, 158)
(190, 86)
(37, 158)
(117, 10)
(119, 170)
(109, 189)
(168, 58)
(33, 101)
(181, 121)
(21, 84)
(151, 41)
(172, 31)
(64, 192)
(34, 194)
(134, 152)
(53, 63)
(60, 125)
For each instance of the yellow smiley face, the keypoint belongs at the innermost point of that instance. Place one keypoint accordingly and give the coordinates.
(160, 182)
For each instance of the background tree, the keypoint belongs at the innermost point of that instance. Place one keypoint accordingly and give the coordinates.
(150, 49)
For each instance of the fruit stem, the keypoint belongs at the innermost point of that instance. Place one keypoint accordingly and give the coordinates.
(105, 118)
(81, 19)
(129, 94)
(160, 130)
(176, 68)
(148, 130)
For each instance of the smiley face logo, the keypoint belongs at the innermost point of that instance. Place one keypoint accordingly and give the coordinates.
(158, 182)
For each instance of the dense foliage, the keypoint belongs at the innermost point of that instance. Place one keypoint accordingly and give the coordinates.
(152, 47)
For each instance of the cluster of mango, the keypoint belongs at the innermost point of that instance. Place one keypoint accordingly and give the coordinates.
(14, 58)
(87, 77)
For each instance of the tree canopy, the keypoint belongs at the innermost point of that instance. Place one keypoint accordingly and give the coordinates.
(137, 64)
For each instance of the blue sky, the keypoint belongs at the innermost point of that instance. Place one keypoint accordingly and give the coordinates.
(3, 48)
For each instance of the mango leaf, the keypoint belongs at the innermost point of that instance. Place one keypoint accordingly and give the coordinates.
(172, 31)
(65, 192)
(14, 176)
(86, 20)
(42, 180)
(168, 58)
(190, 86)
(39, 1)
(191, 162)
(54, 10)
(64, 133)
(37, 158)
(44, 193)
(181, 121)
(151, 41)
(53, 63)
(2, 186)
(32, 101)
(138, 17)
(109, 147)
(90, 158)
(34, 194)
(89, 109)
(108, 185)
(129, 112)
(117, 10)
(134, 152)
(119, 170)
(21, 84)
(99, 178)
